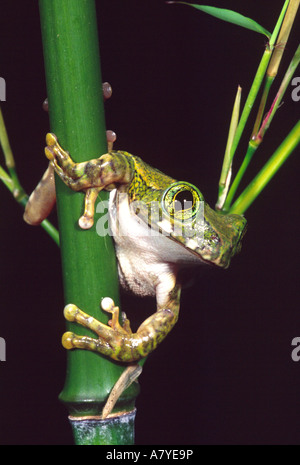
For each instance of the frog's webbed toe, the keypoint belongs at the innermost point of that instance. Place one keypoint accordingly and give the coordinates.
(111, 337)
(68, 171)
(115, 340)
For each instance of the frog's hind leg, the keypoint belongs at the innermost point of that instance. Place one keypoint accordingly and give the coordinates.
(42, 199)
(118, 342)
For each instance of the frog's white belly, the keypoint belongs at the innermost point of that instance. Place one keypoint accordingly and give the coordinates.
(146, 260)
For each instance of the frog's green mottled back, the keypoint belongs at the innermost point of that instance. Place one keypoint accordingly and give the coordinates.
(147, 183)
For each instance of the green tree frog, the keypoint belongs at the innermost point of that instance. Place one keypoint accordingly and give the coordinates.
(159, 226)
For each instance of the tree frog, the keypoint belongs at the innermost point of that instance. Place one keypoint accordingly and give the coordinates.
(159, 226)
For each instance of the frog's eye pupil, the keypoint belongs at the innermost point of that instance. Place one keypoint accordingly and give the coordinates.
(184, 199)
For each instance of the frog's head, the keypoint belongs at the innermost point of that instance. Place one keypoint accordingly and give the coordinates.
(226, 231)
(212, 236)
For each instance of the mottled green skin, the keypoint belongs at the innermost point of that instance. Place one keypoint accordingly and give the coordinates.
(220, 235)
(146, 183)
(198, 234)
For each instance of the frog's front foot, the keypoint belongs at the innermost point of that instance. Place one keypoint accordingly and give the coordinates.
(77, 176)
(114, 340)
(60, 160)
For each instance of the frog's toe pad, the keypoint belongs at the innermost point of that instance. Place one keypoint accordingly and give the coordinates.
(85, 222)
(73, 341)
(49, 154)
(52, 146)
(51, 139)
(107, 304)
(70, 312)
(67, 340)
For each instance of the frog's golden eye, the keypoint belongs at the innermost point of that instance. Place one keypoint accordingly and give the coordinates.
(182, 200)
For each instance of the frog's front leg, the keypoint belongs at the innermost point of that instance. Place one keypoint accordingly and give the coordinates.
(91, 176)
(43, 198)
(118, 342)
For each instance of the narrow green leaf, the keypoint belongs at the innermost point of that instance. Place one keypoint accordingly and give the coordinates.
(262, 179)
(231, 17)
(227, 163)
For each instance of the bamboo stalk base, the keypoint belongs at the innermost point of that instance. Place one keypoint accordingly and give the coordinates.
(117, 429)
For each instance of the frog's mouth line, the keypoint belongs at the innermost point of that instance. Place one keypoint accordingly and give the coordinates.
(222, 234)
(221, 260)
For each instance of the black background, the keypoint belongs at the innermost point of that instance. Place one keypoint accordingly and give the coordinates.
(225, 374)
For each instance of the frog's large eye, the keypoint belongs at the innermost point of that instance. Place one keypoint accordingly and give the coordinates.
(182, 200)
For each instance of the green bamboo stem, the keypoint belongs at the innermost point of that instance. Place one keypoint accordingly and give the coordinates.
(73, 76)
(94, 431)
(267, 172)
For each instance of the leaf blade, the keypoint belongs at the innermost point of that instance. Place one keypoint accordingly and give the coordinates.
(229, 16)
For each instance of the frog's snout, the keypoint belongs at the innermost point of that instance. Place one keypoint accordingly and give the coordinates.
(241, 231)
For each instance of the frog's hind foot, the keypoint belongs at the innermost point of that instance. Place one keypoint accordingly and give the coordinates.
(111, 336)
(115, 340)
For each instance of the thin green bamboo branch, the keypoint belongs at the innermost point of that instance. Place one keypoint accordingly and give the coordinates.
(278, 99)
(11, 180)
(255, 142)
(276, 59)
(283, 37)
(17, 190)
(257, 81)
(267, 70)
(6, 179)
(261, 110)
(282, 31)
(267, 172)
